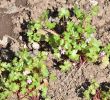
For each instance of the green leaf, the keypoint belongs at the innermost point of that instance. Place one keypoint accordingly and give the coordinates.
(23, 91)
(94, 10)
(44, 91)
(14, 87)
(89, 29)
(14, 76)
(76, 35)
(30, 33)
(83, 45)
(92, 56)
(88, 18)
(23, 84)
(44, 71)
(50, 25)
(87, 95)
(44, 15)
(107, 49)
(5, 65)
(78, 12)
(1, 70)
(64, 13)
(70, 26)
(73, 55)
(67, 45)
(57, 55)
(79, 29)
(5, 94)
(66, 66)
(62, 42)
(37, 25)
(53, 76)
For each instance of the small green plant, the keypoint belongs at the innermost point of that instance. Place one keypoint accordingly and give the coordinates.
(66, 66)
(25, 75)
(64, 12)
(106, 49)
(77, 41)
(91, 90)
(97, 91)
(53, 76)
(33, 37)
(105, 95)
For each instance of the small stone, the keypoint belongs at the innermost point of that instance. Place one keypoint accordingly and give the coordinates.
(4, 41)
(101, 23)
(20, 37)
(59, 48)
(94, 2)
(101, 12)
(35, 45)
(26, 72)
(35, 52)
(25, 46)
(61, 1)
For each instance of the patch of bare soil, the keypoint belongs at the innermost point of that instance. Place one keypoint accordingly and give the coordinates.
(6, 26)
(66, 86)
(14, 17)
(21, 3)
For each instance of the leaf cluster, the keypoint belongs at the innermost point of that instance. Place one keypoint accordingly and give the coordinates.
(25, 73)
(77, 39)
(91, 90)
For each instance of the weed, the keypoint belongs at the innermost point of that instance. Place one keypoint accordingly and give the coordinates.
(91, 90)
(76, 42)
(97, 91)
(24, 75)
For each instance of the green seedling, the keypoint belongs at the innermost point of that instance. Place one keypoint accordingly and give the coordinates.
(64, 12)
(91, 90)
(24, 74)
(75, 42)
(91, 94)
(53, 76)
(67, 65)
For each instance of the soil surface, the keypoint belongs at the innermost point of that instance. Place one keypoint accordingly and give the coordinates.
(6, 26)
(14, 17)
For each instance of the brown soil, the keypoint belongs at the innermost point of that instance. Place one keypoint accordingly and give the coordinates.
(65, 88)
(15, 14)
(6, 26)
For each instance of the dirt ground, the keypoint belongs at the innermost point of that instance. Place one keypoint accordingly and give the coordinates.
(14, 16)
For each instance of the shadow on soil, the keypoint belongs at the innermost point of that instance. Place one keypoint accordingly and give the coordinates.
(6, 55)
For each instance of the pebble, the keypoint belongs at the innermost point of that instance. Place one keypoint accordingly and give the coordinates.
(94, 2)
(20, 37)
(25, 46)
(4, 41)
(35, 52)
(35, 45)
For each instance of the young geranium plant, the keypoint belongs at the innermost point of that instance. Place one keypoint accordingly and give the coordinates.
(24, 76)
(77, 40)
